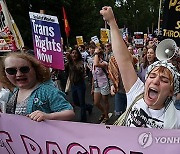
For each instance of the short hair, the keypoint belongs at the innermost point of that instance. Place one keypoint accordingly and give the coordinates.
(171, 68)
(162, 69)
(42, 72)
(92, 46)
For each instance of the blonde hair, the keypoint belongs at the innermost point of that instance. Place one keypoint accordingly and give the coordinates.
(42, 72)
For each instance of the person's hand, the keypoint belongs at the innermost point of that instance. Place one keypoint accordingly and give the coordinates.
(37, 116)
(113, 90)
(107, 14)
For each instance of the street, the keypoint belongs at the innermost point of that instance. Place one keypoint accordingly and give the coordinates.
(94, 116)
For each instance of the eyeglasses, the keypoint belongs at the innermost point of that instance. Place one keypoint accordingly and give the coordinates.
(130, 49)
(107, 45)
(13, 71)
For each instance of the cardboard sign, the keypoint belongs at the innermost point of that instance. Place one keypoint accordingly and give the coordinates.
(95, 40)
(79, 40)
(105, 35)
(139, 39)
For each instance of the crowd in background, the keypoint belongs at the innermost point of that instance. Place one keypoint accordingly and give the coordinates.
(91, 65)
(97, 64)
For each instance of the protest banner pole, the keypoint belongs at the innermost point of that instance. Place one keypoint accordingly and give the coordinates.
(42, 11)
(67, 42)
(42, 7)
(105, 24)
(159, 18)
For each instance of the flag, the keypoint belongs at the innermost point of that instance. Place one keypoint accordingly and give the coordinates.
(66, 24)
(11, 39)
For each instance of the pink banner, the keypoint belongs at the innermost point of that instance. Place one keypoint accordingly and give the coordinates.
(20, 135)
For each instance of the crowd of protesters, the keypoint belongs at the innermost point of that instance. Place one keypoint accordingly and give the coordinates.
(99, 67)
(93, 65)
(39, 92)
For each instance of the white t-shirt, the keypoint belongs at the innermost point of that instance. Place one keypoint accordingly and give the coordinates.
(141, 115)
(4, 96)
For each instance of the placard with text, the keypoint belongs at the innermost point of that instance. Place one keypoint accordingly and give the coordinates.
(47, 40)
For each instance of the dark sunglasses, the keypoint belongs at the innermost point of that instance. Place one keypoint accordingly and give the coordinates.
(107, 45)
(13, 71)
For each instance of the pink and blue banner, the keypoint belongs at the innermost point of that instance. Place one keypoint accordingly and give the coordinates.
(20, 135)
(47, 40)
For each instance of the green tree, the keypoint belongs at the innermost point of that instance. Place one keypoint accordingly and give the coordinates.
(83, 16)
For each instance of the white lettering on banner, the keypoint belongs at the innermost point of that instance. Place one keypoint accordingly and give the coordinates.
(46, 44)
(43, 30)
(166, 140)
(44, 57)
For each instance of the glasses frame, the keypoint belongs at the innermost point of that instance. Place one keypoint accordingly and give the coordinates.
(107, 45)
(13, 70)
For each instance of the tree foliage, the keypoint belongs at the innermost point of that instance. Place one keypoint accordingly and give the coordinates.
(83, 16)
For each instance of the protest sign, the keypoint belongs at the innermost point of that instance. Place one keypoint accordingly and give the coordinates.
(171, 20)
(20, 135)
(139, 39)
(79, 40)
(105, 35)
(47, 40)
(95, 40)
(11, 39)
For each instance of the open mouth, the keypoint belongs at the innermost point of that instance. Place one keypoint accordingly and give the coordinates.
(21, 80)
(152, 93)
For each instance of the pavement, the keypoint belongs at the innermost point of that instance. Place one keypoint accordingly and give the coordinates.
(94, 116)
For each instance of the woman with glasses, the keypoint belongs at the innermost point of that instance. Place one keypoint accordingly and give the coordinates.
(34, 94)
(107, 52)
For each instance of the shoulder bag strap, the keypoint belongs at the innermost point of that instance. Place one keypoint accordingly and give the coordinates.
(122, 119)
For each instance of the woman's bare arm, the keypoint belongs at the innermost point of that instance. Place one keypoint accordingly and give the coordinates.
(120, 50)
